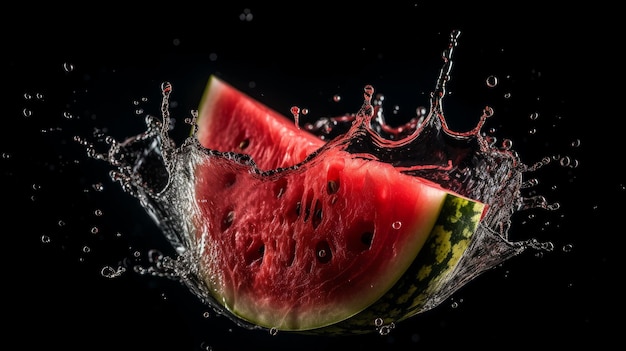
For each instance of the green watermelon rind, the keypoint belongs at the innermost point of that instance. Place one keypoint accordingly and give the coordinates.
(432, 267)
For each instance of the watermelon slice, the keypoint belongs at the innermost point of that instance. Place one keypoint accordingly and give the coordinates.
(307, 245)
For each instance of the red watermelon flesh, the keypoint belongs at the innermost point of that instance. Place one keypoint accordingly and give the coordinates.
(229, 120)
(302, 248)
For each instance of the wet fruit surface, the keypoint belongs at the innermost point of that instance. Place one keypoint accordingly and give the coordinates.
(85, 224)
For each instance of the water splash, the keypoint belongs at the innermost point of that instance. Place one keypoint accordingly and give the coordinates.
(151, 168)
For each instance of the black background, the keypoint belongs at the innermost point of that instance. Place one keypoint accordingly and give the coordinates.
(559, 62)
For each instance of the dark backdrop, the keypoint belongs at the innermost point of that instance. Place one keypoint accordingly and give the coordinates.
(77, 68)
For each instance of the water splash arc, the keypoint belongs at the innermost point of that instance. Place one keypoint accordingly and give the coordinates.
(151, 168)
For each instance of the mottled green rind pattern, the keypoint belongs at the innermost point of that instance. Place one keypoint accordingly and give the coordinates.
(432, 267)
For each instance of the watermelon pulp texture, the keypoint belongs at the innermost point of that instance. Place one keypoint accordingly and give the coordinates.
(229, 120)
(306, 247)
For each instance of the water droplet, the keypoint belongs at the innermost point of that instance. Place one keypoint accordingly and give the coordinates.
(295, 112)
(246, 15)
(488, 111)
(568, 248)
(273, 331)
(27, 113)
(155, 256)
(421, 112)
(396, 225)
(507, 144)
(97, 212)
(534, 115)
(110, 272)
(94, 230)
(45, 239)
(336, 98)
(576, 143)
(166, 87)
(68, 67)
(492, 81)
(565, 161)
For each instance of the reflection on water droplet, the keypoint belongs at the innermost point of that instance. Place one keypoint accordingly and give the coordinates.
(97, 212)
(553, 207)
(534, 115)
(27, 113)
(336, 98)
(576, 143)
(568, 248)
(110, 272)
(273, 331)
(386, 329)
(396, 225)
(565, 161)
(94, 230)
(45, 239)
(492, 81)
(295, 112)
(488, 111)
(507, 144)
(68, 67)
